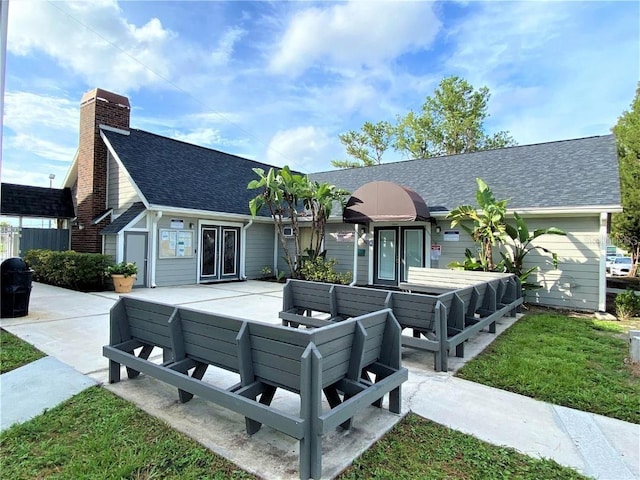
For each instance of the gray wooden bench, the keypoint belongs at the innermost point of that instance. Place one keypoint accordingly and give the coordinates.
(337, 360)
(138, 325)
(440, 323)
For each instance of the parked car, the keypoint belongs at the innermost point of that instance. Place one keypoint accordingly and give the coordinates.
(621, 266)
(610, 258)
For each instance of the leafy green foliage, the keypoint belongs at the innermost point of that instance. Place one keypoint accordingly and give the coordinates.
(15, 353)
(289, 196)
(626, 225)
(366, 147)
(522, 238)
(99, 435)
(417, 448)
(123, 268)
(73, 270)
(491, 229)
(320, 270)
(627, 305)
(489, 226)
(563, 360)
(452, 121)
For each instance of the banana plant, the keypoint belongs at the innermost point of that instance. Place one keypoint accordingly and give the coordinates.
(513, 262)
(488, 222)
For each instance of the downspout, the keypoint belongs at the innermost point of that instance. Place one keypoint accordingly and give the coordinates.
(602, 271)
(243, 251)
(154, 247)
(355, 257)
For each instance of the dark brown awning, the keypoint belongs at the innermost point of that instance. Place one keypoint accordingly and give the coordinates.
(385, 202)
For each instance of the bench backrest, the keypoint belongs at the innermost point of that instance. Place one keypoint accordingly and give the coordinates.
(135, 319)
(310, 295)
(273, 354)
(414, 310)
(209, 338)
(356, 301)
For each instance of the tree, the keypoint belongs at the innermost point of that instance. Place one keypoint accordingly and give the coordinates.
(489, 226)
(491, 229)
(285, 194)
(451, 122)
(366, 147)
(626, 225)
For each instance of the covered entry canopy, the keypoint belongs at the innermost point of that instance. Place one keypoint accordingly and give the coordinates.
(384, 202)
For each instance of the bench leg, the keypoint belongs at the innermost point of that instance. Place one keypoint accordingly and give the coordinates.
(114, 372)
(333, 398)
(492, 327)
(198, 373)
(253, 426)
(395, 400)
(144, 354)
(460, 350)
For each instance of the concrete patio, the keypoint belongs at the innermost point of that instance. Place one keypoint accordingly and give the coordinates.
(72, 327)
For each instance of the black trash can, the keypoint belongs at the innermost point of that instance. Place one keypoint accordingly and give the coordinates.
(16, 288)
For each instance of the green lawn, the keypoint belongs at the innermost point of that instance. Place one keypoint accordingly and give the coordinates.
(99, 435)
(574, 362)
(15, 353)
(567, 361)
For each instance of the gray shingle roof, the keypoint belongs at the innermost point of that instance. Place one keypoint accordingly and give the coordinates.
(29, 201)
(564, 174)
(177, 174)
(123, 220)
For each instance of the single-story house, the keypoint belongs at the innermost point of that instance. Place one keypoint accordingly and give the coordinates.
(180, 211)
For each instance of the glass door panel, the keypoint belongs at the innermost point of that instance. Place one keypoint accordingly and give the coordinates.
(387, 255)
(209, 259)
(229, 251)
(413, 250)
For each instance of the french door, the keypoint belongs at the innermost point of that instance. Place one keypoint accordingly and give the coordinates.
(395, 250)
(219, 253)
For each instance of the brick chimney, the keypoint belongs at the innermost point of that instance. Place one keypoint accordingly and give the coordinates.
(98, 107)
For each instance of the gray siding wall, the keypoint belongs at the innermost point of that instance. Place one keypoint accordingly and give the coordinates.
(110, 245)
(342, 252)
(259, 248)
(177, 271)
(573, 285)
(121, 193)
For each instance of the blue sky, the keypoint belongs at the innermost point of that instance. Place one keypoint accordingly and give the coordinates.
(279, 81)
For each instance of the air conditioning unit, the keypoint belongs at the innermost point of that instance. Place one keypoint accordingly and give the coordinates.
(287, 231)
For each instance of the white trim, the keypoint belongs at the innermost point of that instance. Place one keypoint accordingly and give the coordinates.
(154, 247)
(72, 174)
(602, 271)
(354, 278)
(243, 250)
(206, 214)
(109, 128)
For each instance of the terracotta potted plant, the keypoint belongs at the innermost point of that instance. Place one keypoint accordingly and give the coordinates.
(123, 275)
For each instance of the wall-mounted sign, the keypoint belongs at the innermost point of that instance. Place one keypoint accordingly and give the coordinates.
(175, 243)
(451, 235)
(348, 237)
(436, 251)
(177, 223)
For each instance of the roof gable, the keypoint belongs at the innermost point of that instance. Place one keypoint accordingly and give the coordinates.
(564, 174)
(175, 174)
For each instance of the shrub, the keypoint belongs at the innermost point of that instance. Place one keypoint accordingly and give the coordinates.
(69, 269)
(321, 270)
(123, 268)
(627, 305)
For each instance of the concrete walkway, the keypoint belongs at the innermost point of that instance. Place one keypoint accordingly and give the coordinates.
(72, 327)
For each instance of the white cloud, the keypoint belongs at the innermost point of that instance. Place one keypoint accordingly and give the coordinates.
(301, 148)
(349, 36)
(556, 73)
(26, 110)
(40, 147)
(94, 40)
